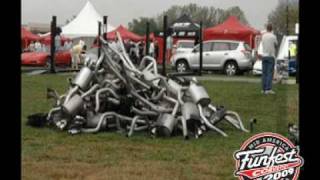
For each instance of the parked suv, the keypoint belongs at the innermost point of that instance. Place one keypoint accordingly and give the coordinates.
(183, 46)
(230, 56)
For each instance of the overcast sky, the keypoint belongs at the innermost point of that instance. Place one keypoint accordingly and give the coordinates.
(123, 11)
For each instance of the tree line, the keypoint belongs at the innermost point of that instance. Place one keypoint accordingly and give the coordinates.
(278, 17)
(210, 16)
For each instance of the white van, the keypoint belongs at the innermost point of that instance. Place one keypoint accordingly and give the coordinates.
(283, 53)
(282, 56)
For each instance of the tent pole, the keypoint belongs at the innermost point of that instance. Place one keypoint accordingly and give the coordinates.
(147, 37)
(53, 46)
(298, 61)
(200, 49)
(165, 22)
(99, 34)
(105, 23)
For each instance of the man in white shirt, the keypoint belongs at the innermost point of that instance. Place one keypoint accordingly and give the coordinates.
(267, 52)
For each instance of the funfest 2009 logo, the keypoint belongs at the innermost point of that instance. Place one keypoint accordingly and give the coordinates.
(268, 156)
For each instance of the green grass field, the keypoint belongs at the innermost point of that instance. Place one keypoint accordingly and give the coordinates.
(51, 154)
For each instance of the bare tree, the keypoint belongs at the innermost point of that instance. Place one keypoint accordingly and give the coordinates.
(278, 17)
(210, 16)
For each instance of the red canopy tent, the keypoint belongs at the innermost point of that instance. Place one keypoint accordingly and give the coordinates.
(151, 37)
(27, 37)
(125, 34)
(232, 29)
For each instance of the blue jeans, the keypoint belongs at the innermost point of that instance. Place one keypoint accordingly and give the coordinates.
(267, 72)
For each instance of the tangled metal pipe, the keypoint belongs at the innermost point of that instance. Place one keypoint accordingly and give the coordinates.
(101, 91)
(112, 83)
(144, 113)
(153, 63)
(102, 118)
(53, 110)
(90, 91)
(71, 93)
(205, 120)
(235, 121)
(136, 98)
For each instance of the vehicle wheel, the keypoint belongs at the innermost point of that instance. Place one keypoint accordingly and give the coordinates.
(182, 66)
(231, 68)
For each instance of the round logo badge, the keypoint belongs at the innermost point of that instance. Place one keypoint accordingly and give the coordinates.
(268, 156)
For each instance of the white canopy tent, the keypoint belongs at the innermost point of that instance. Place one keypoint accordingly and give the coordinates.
(85, 25)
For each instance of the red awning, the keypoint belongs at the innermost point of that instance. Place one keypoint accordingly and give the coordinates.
(231, 29)
(151, 37)
(125, 34)
(29, 36)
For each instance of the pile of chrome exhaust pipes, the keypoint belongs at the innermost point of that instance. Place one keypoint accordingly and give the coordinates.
(111, 93)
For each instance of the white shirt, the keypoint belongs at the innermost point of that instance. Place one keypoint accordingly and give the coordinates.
(151, 48)
(37, 46)
(32, 47)
(268, 45)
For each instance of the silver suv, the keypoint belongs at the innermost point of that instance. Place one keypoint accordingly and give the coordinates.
(230, 56)
(183, 46)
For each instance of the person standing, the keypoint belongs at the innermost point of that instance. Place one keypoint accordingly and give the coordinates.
(31, 47)
(38, 46)
(151, 49)
(293, 50)
(75, 52)
(68, 44)
(57, 39)
(169, 46)
(141, 49)
(267, 52)
(156, 50)
(133, 52)
(83, 54)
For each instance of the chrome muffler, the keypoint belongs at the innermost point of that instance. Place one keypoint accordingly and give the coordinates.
(83, 78)
(165, 124)
(199, 94)
(190, 111)
(74, 105)
(174, 87)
